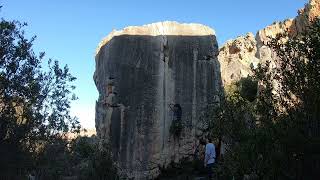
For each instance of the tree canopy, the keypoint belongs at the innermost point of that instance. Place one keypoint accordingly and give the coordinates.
(276, 133)
(34, 100)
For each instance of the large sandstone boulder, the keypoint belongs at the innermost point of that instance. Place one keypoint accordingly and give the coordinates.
(139, 72)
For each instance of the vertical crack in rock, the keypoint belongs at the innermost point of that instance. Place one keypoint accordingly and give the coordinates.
(194, 92)
(165, 58)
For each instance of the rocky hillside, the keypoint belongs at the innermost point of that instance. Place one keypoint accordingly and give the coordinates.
(236, 56)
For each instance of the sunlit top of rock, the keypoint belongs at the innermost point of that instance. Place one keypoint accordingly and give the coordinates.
(161, 28)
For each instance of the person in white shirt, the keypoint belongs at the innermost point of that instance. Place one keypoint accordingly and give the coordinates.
(210, 156)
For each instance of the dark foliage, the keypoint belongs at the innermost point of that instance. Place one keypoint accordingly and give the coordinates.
(34, 103)
(185, 169)
(248, 88)
(275, 135)
(99, 165)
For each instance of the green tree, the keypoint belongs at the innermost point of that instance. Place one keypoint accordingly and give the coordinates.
(289, 103)
(232, 122)
(248, 88)
(93, 159)
(55, 160)
(284, 139)
(34, 103)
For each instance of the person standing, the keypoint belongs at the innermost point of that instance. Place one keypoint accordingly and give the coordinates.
(210, 156)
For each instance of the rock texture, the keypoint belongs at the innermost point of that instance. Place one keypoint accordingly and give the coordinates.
(238, 55)
(139, 72)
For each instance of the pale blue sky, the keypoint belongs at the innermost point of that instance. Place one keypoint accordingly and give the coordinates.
(70, 30)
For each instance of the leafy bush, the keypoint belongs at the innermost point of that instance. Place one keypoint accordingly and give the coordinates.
(248, 88)
(100, 164)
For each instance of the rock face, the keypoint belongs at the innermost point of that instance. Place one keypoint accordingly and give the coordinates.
(139, 72)
(236, 56)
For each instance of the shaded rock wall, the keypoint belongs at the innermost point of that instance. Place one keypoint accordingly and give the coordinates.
(138, 76)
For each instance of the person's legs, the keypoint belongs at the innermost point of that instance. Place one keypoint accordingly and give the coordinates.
(210, 170)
